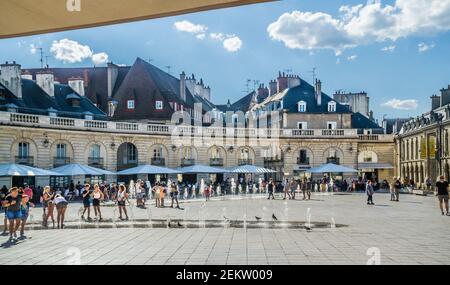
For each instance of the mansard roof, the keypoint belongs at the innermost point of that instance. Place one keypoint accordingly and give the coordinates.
(36, 101)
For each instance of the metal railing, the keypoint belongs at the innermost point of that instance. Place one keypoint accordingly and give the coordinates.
(25, 160)
(303, 160)
(245, 162)
(216, 162)
(158, 161)
(60, 161)
(96, 162)
(187, 161)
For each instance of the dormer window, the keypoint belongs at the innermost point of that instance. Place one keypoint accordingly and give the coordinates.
(130, 104)
(158, 105)
(332, 107)
(302, 107)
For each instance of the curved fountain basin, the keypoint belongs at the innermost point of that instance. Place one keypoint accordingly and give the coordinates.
(190, 224)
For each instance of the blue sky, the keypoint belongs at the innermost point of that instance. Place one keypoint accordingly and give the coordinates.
(344, 44)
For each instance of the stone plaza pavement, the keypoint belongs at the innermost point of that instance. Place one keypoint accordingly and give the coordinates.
(411, 231)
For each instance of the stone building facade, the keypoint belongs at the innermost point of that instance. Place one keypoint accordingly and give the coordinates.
(47, 142)
(422, 145)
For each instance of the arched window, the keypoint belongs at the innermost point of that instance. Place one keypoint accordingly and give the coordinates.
(61, 150)
(187, 153)
(368, 156)
(158, 151)
(24, 150)
(215, 153)
(245, 153)
(301, 107)
(94, 152)
(332, 107)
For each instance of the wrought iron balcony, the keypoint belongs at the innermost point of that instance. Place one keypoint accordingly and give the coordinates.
(158, 161)
(334, 160)
(96, 162)
(216, 162)
(25, 160)
(187, 161)
(126, 166)
(60, 161)
(303, 160)
(245, 162)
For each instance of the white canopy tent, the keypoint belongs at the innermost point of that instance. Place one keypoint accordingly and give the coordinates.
(147, 169)
(10, 170)
(79, 169)
(201, 169)
(251, 169)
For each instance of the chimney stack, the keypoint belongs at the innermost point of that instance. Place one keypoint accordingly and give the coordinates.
(263, 92)
(112, 73)
(46, 81)
(318, 92)
(445, 96)
(77, 84)
(272, 87)
(10, 76)
(183, 86)
(435, 102)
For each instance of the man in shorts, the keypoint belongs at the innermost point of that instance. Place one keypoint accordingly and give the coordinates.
(442, 193)
(13, 212)
(86, 194)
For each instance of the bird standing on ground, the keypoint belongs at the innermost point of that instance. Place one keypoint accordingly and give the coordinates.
(274, 217)
(180, 225)
(257, 218)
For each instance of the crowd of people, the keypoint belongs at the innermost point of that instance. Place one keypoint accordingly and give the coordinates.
(17, 202)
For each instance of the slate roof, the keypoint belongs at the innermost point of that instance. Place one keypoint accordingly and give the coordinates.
(95, 80)
(306, 92)
(242, 104)
(35, 101)
(359, 121)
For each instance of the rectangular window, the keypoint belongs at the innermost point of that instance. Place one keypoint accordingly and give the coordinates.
(332, 125)
(303, 156)
(23, 149)
(130, 104)
(61, 151)
(158, 105)
(302, 125)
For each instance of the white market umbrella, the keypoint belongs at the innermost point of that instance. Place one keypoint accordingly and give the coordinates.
(79, 169)
(147, 169)
(251, 169)
(12, 169)
(332, 168)
(204, 169)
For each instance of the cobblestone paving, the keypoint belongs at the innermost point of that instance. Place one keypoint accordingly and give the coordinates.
(409, 232)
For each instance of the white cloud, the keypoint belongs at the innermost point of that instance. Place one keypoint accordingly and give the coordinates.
(70, 51)
(100, 58)
(217, 36)
(389, 49)
(33, 49)
(352, 57)
(423, 47)
(409, 104)
(232, 44)
(361, 24)
(201, 36)
(188, 27)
